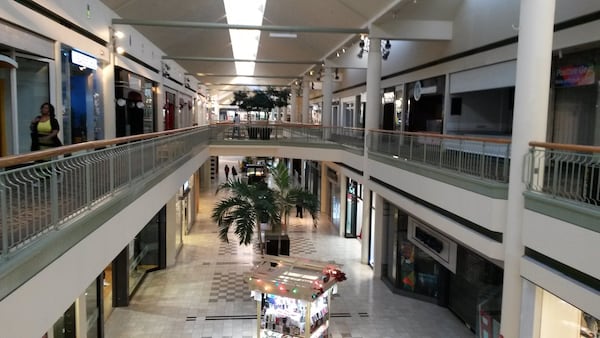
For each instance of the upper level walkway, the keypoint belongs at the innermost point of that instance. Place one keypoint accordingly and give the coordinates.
(48, 207)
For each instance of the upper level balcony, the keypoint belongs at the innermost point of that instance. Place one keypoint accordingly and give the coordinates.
(47, 207)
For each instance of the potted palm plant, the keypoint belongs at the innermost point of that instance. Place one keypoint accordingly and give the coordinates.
(245, 207)
(287, 196)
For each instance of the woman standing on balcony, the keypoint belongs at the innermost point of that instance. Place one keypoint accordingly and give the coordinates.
(44, 129)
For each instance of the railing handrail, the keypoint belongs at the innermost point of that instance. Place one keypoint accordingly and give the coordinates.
(568, 147)
(15, 160)
(445, 136)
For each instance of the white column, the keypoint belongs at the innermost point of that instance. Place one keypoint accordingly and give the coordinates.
(343, 203)
(366, 228)
(293, 102)
(529, 123)
(305, 98)
(325, 200)
(371, 122)
(378, 228)
(172, 245)
(373, 85)
(531, 307)
(327, 97)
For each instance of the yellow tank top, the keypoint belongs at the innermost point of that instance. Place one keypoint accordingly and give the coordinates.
(44, 127)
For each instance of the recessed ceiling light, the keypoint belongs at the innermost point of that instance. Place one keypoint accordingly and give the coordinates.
(283, 35)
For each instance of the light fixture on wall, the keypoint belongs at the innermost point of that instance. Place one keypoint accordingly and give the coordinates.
(116, 36)
(364, 45)
(165, 70)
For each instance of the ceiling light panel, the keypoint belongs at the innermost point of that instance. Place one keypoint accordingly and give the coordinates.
(244, 43)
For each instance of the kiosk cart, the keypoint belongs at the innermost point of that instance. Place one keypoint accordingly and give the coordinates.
(293, 296)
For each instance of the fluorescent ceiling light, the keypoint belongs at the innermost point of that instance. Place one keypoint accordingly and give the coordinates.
(244, 43)
(283, 35)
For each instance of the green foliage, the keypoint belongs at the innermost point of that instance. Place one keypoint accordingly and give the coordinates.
(261, 100)
(289, 195)
(243, 208)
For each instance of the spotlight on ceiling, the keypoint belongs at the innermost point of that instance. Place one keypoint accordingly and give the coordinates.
(385, 54)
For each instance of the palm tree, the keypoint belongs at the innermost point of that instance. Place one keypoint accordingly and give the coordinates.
(245, 207)
(290, 195)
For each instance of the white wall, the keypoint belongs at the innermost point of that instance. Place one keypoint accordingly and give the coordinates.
(570, 244)
(34, 307)
(484, 211)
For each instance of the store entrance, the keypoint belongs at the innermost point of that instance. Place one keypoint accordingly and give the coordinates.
(426, 114)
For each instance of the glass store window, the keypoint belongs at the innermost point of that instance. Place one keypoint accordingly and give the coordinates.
(83, 116)
(409, 270)
(92, 309)
(33, 89)
(144, 253)
(575, 109)
(560, 319)
(354, 205)
(135, 97)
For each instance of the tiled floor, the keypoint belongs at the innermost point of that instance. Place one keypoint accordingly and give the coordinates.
(203, 294)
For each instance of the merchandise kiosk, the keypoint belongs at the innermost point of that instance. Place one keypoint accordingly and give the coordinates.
(293, 296)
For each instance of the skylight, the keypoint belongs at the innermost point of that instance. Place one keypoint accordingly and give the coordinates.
(244, 43)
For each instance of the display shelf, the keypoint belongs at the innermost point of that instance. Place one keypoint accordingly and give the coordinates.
(293, 296)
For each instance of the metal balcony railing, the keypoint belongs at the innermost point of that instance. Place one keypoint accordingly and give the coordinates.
(285, 133)
(484, 158)
(42, 191)
(567, 172)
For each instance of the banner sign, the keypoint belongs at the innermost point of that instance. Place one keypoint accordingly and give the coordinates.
(576, 75)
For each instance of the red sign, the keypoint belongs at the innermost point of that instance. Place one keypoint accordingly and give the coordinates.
(576, 75)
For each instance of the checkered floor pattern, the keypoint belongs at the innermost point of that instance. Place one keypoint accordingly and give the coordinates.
(302, 246)
(229, 287)
(233, 248)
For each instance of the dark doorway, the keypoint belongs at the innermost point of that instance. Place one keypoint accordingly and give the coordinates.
(426, 114)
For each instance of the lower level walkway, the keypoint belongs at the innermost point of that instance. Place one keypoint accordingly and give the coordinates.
(204, 295)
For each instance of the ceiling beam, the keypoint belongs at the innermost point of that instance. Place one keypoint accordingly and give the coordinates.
(211, 59)
(250, 76)
(244, 85)
(413, 30)
(215, 25)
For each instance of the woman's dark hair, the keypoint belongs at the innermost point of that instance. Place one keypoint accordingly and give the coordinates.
(50, 109)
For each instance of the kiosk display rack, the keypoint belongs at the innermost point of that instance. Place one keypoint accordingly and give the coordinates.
(293, 296)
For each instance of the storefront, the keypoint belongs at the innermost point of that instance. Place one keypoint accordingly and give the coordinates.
(82, 96)
(169, 109)
(184, 209)
(425, 105)
(312, 177)
(354, 209)
(27, 79)
(134, 100)
(334, 197)
(184, 112)
(574, 116)
(483, 107)
(422, 263)
(145, 253)
(558, 318)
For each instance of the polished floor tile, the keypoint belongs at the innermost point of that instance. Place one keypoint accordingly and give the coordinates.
(204, 296)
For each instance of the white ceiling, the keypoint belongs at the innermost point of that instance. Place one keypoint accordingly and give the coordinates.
(215, 43)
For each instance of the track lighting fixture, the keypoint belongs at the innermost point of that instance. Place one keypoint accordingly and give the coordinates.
(385, 54)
